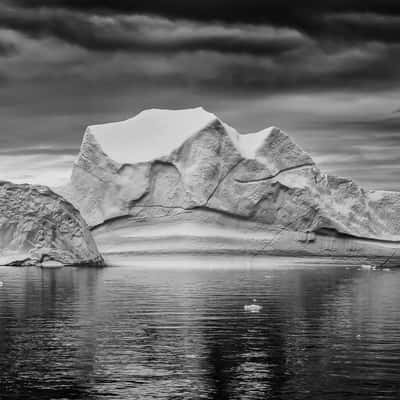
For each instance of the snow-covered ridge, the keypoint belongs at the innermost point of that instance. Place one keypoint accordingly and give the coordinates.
(249, 143)
(155, 133)
(149, 135)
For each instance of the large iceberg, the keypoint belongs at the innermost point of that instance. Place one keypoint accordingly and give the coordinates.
(186, 181)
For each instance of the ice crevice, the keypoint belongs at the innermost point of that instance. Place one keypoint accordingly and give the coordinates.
(306, 165)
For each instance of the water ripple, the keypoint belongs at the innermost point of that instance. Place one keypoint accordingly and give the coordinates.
(142, 332)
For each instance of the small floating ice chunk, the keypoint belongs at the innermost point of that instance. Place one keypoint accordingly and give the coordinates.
(51, 264)
(368, 266)
(254, 308)
(1, 284)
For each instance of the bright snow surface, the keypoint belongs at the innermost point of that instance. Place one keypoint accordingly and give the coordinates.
(156, 133)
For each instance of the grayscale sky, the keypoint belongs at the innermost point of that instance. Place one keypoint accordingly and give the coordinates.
(327, 72)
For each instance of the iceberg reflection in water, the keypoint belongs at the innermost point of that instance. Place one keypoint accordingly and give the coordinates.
(154, 330)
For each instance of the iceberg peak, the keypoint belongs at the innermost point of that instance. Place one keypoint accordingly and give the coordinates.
(151, 134)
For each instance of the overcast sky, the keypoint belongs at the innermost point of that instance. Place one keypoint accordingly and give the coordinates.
(327, 72)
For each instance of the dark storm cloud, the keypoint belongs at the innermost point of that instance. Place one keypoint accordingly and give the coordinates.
(315, 47)
(390, 126)
(228, 10)
(145, 34)
(7, 49)
(365, 68)
(333, 18)
(265, 45)
(365, 27)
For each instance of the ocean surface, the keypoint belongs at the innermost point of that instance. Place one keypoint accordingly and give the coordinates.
(177, 329)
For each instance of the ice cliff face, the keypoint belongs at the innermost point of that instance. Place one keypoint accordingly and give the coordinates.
(38, 227)
(163, 163)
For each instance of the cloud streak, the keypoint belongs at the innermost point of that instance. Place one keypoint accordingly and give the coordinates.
(331, 19)
(110, 33)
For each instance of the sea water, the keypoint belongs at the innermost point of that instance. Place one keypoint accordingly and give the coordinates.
(177, 329)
